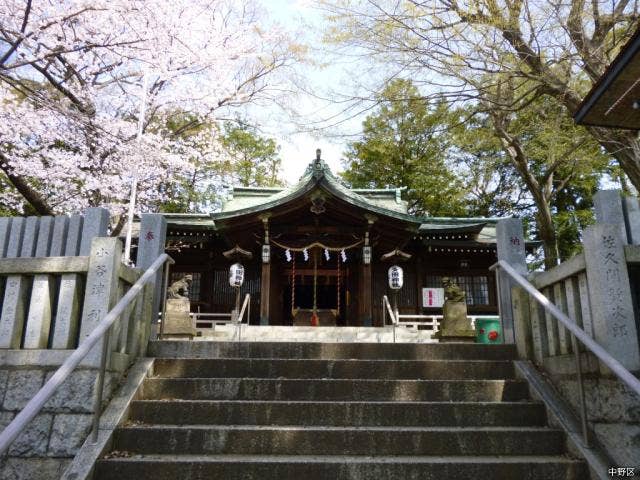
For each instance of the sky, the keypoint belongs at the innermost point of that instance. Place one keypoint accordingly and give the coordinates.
(298, 149)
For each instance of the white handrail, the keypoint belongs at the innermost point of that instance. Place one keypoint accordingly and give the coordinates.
(385, 303)
(33, 407)
(245, 306)
(614, 365)
(392, 315)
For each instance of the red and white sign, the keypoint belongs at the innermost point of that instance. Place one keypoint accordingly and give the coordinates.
(432, 297)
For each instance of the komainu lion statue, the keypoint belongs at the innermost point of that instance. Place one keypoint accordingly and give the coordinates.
(452, 292)
(180, 288)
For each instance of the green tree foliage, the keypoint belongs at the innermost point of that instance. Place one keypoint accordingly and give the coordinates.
(253, 160)
(492, 186)
(198, 189)
(235, 154)
(402, 145)
(535, 163)
(473, 160)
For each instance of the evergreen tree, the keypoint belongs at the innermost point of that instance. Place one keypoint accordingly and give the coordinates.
(402, 145)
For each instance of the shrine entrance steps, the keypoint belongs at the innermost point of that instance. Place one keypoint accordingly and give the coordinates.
(347, 411)
(278, 333)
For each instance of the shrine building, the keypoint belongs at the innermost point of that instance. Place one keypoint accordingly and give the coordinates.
(321, 246)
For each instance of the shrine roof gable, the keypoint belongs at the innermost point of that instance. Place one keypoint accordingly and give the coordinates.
(251, 200)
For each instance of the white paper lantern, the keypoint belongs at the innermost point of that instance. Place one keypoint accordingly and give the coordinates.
(396, 277)
(236, 275)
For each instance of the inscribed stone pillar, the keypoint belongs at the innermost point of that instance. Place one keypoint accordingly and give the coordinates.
(585, 304)
(151, 243)
(560, 301)
(632, 209)
(551, 325)
(80, 233)
(614, 325)
(609, 209)
(95, 224)
(39, 319)
(510, 246)
(66, 242)
(22, 242)
(5, 231)
(538, 332)
(522, 326)
(574, 308)
(101, 289)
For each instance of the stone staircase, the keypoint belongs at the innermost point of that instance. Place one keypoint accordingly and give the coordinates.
(316, 411)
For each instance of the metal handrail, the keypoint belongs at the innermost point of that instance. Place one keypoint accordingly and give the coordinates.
(246, 305)
(33, 407)
(577, 334)
(386, 307)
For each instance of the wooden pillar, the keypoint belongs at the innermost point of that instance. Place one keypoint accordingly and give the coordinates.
(365, 300)
(265, 293)
(419, 284)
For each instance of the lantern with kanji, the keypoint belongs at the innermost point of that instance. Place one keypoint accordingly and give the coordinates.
(236, 275)
(396, 277)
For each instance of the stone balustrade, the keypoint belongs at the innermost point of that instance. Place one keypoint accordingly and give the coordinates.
(59, 276)
(595, 289)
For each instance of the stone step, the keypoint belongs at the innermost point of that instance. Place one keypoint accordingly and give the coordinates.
(335, 389)
(294, 440)
(313, 368)
(338, 413)
(241, 467)
(388, 351)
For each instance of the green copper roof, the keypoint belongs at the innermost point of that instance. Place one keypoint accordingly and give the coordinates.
(251, 200)
(318, 176)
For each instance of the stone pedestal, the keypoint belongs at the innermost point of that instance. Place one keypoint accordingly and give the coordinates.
(455, 325)
(178, 322)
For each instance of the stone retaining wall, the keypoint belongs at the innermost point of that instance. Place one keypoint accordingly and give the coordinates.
(613, 410)
(54, 436)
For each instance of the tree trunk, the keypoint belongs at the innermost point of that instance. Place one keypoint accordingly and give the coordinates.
(547, 234)
(31, 196)
(625, 147)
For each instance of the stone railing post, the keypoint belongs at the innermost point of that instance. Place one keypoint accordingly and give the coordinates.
(612, 315)
(151, 242)
(22, 243)
(72, 237)
(39, 319)
(510, 246)
(611, 207)
(522, 323)
(101, 289)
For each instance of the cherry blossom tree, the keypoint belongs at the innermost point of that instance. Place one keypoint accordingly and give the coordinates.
(71, 77)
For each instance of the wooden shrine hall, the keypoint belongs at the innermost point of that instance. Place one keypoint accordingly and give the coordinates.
(321, 247)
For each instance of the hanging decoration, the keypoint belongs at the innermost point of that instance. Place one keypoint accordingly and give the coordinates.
(343, 254)
(316, 244)
(305, 254)
(287, 255)
(326, 254)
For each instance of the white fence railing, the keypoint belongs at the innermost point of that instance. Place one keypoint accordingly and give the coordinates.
(432, 322)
